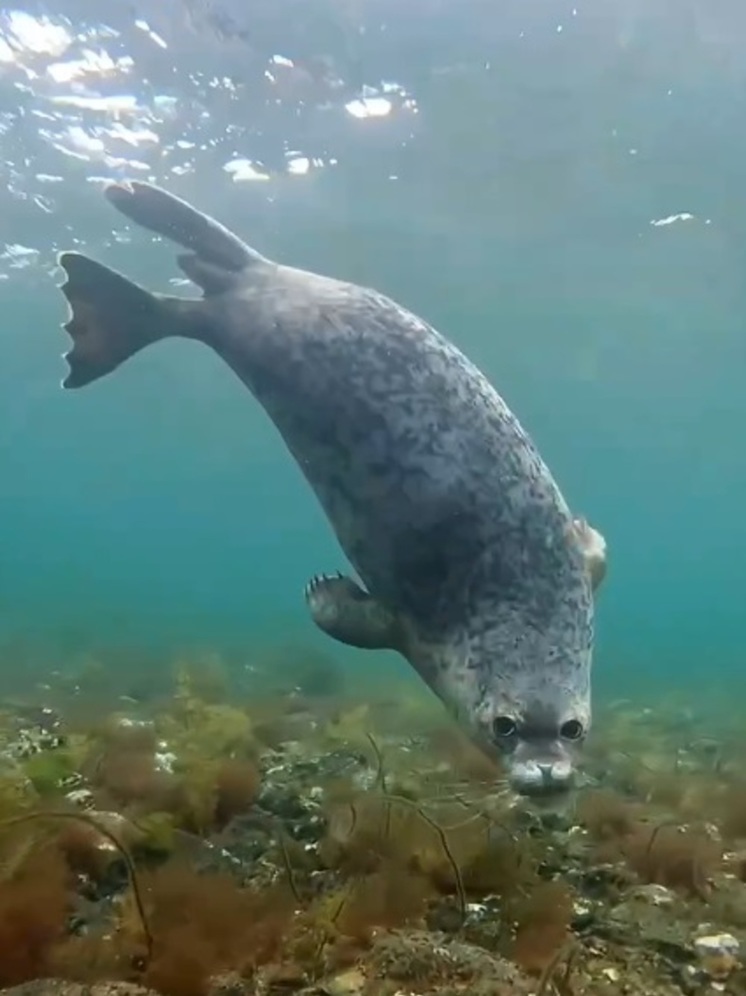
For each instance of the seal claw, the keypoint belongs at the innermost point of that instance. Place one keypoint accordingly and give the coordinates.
(317, 581)
(347, 613)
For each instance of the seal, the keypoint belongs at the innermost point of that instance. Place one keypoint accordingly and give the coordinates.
(470, 562)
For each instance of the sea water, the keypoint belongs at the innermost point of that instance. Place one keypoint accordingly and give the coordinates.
(557, 187)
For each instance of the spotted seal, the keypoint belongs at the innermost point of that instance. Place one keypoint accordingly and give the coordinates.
(472, 565)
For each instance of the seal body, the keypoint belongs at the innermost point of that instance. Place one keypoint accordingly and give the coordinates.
(471, 563)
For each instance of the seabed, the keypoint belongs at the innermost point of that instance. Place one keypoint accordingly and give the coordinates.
(201, 839)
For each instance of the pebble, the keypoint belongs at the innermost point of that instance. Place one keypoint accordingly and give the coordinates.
(717, 944)
(656, 895)
(347, 983)
(718, 955)
(582, 915)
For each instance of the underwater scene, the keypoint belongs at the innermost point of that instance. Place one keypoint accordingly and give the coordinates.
(341, 656)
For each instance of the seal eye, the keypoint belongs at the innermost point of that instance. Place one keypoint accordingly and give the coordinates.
(504, 726)
(571, 730)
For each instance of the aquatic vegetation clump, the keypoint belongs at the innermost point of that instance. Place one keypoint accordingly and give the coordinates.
(542, 925)
(194, 764)
(606, 815)
(732, 812)
(666, 853)
(35, 901)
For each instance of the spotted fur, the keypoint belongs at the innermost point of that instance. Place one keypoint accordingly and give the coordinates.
(472, 564)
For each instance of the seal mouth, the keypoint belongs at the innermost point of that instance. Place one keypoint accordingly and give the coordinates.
(545, 793)
(547, 796)
(542, 779)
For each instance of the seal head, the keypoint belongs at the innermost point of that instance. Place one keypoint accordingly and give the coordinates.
(534, 706)
(519, 670)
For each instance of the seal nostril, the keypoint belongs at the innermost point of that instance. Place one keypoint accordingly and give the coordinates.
(503, 727)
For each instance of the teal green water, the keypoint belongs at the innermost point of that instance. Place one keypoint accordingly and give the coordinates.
(158, 509)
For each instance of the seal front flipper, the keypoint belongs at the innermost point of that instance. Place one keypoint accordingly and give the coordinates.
(593, 546)
(216, 256)
(350, 615)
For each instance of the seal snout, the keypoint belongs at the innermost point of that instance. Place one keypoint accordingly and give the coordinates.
(542, 777)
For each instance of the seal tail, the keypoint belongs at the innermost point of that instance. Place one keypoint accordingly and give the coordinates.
(112, 318)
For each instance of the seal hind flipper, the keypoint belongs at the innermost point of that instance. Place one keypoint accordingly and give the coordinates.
(350, 615)
(112, 318)
(216, 256)
(154, 208)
